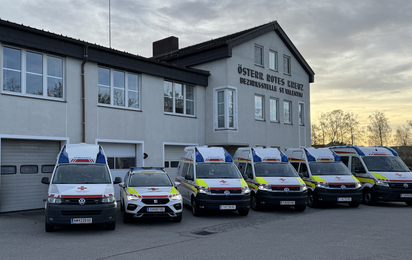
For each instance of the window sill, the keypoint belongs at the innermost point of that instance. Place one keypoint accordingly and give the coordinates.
(179, 115)
(277, 122)
(287, 74)
(288, 123)
(260, 120)
(225, 129)
(259, 65)
(122, 108)
(32, 96)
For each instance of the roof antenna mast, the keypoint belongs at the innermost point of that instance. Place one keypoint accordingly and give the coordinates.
(110, 32)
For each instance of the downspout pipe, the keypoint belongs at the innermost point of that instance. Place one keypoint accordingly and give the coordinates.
(85, 57)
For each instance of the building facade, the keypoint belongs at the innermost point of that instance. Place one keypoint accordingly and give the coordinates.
(57, 90)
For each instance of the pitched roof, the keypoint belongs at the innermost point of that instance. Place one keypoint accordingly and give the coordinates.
(222, 48)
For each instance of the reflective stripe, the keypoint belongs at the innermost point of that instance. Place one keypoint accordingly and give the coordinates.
(318, 179)
(173, 191)
(242, 181)
(201, 183)
(366, 180)
(308, 183)
(379, 176)
(300, 180)
(253, 185)
(261, 180)
(132, 191)
(356, 180)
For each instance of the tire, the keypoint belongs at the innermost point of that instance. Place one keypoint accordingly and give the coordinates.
(300, 208)
(254, 203)
(195, 208)
(409, 203)
(121, 206)
(311, 200)
(127, 218)
(178, 218)
(354, 204)
(48, 227)
(111, 226)
(369, 198)
(243, 212)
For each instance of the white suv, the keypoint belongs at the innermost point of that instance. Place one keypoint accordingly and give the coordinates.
(149, 192)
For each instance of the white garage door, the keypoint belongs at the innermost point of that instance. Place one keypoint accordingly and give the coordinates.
(23, 164)
(121, 157)
(173, 154)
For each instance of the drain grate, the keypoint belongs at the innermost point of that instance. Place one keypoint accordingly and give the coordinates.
(203, 233)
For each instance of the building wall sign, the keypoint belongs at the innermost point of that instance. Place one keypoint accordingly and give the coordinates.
(293, 88)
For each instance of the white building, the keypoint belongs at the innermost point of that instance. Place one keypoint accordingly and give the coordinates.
(246, 89)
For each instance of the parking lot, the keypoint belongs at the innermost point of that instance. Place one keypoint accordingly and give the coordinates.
(330, 232)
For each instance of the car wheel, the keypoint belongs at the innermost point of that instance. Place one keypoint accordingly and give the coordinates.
(195, 208)
(300, 208)
(121, 206)
(48, 227)
(312, 202)
(243, 212)
(178, 218)
(254, 203)
(111, 226)
(369, 198)
(409, 203)
(127, 218)
(354, 204)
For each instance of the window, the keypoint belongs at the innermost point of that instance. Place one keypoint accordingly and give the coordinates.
(28, 169)
(225, 116)
(286, 65)
(33, 74)
(273, 60)
(121, 162)
(258, 55)
(287, 112)
(179, 98)
(301, 114)
(274, 107)
(47, 168)
(8, 169)
(259, 107)
(118, 88)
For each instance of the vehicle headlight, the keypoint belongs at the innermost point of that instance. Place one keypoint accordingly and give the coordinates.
(130, 197)
(177, 197)
(358, 185)
(54, 200)
(245, 190)
(265, 187)
(382, 183)
(322, 185)
(303, 187)
(203, 190)
(109, 199)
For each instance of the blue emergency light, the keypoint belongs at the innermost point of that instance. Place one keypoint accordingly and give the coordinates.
(199, 157)
(284, 157)
(64, 158)
(256, 158)
(392, 150)
(309, 156)
(228, 157)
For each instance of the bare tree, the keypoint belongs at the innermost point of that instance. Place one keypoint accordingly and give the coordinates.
(403, 135)
(316, 134)
(335, 124)
(379, 130)
(353, 132)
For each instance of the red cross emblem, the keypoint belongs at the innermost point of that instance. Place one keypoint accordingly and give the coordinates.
(337, 177)
(153, 189)
(398, 174)
(282, 179)
(223, 181)
(82, 188)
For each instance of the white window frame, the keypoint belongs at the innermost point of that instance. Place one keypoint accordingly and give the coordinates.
(125, 89)
(277, 110)
(290, 112)
(185, 99)
(23, 74)
(261, 117)
(287, 65)
(226, 90)
(261, 55)
(273, 65)
(301, 113)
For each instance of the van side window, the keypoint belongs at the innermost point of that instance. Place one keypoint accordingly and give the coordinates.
(296, 166)
(345, 160)
(184, 169)
(356, 166)
(191, 172)
(242, 167)
(304, 170)
(249, 171)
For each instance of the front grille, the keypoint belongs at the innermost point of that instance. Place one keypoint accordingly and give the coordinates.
(400, 186)
(342, 191)
(80, 212)
(152, 201)
(229, 197)
(339, 186)
(76, 201)
(239, 191)
(283, 188)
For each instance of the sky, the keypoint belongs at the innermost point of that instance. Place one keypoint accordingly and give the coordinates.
(360, 50)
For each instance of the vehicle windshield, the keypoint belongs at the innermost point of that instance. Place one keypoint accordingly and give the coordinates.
(155, 179)
(283, 169)
(217, 171)
(329, 168)
(82, 174)
(385, 164)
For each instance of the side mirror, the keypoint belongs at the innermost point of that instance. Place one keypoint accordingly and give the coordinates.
(45, 180)
(245, 176)
(177, 184)
(305, 174)
(117, 180)
(300, 175)
(188, 177)
(359, 169)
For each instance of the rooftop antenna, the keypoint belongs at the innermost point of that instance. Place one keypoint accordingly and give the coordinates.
(110, 32)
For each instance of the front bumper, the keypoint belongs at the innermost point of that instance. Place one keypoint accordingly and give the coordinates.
(267, 198)
(58, 214)
(213, 202)
(139, 209)
(392, 194)
(334, 195)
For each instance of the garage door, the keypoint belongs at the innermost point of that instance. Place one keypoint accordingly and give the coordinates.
(173, 154)
(120, 157)
(23, 164)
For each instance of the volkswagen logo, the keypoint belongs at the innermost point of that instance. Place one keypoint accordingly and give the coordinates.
(227, 192)
(154, 201)
(405, 185)
(82, 201)
(343, 187)
(286, 189)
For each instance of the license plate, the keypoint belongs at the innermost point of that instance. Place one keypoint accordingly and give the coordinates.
(407, 195)
(227, 207)
(287, 203)
(155, 209)
(345, 199)
(81, 220)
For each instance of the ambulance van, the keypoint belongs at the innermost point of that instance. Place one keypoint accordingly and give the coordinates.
(327, 178)
(209, 180)
(384, 176)
(271, 178)
(81, 188)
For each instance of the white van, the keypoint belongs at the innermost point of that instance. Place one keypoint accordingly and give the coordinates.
(271, 178)
(327, 178)
(383, 174)
(210, 181)
(81, 188)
